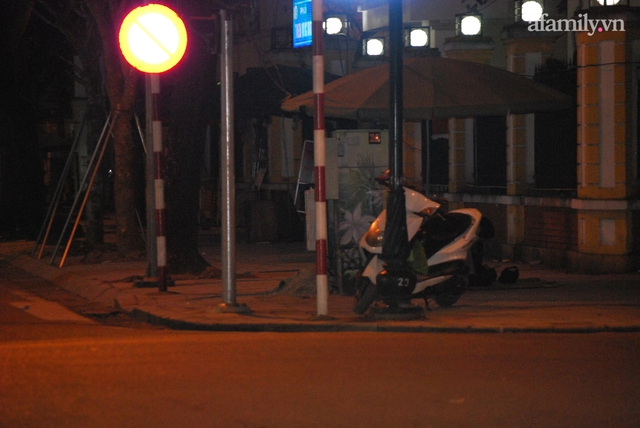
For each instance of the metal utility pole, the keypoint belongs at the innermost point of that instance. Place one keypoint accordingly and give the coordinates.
(395, 280)
(227, 172)
(394, 250)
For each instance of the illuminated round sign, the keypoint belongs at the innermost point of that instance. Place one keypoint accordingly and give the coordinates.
(153, 38)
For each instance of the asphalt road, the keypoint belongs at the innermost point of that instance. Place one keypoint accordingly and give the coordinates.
(62, 370)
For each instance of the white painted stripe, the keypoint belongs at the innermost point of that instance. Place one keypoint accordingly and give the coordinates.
(321, 221)
(317, 11)
(607, 114)
(155, 83)
(157, 135)
(322, 294)
(159, 186)
(319, 153)
(161, 242)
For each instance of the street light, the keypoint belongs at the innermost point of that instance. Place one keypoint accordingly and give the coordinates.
(416, 37)
(529, 10)
(469, 24)
(373, 46)
(335, 26)
(609, 3)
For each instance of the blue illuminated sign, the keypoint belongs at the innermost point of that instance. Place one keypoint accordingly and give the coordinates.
(302, 16)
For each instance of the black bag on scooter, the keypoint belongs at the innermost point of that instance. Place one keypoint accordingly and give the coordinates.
(484, 277)
(509, 275)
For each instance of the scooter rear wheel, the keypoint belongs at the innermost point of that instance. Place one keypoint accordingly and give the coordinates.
(456, 286)
(365, 295)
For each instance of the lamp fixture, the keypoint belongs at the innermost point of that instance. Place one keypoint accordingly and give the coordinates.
(609, 3)
(416, 37)
(373, 46)
(335, 25)
(529, 10)
(469, 24)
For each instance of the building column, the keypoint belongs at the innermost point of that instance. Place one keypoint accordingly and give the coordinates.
(607, 161)
(461, 130)
(525, 50)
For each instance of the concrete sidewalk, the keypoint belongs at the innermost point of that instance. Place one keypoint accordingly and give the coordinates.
(542, 300)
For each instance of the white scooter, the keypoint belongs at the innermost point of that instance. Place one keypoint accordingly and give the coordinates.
(440, 259)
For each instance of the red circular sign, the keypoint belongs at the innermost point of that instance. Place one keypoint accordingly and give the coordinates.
(153, 38)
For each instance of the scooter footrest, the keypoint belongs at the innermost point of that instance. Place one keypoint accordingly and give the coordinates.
(449, 268)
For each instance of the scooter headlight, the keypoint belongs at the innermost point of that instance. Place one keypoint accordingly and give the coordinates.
(374, 235)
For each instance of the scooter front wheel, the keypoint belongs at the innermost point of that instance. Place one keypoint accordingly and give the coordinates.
(365, 295)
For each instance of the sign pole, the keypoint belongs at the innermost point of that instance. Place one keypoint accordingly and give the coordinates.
(161, 239)
(153, 39)
(227, 172)
(395, 246)
(152, 256)
(319, 137)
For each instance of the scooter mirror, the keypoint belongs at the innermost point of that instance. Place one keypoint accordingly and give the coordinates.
(384, 178)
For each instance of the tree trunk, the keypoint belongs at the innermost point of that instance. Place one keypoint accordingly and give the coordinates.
(183, 166)
(190, 104)
(94, 213)
(120, 86)
(22, 190)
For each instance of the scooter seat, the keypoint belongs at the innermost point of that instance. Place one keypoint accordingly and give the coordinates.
(440, 231)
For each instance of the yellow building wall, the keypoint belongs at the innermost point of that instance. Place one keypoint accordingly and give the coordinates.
(276, 147)
(604, 232)
(589, 162)
(605, 156)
